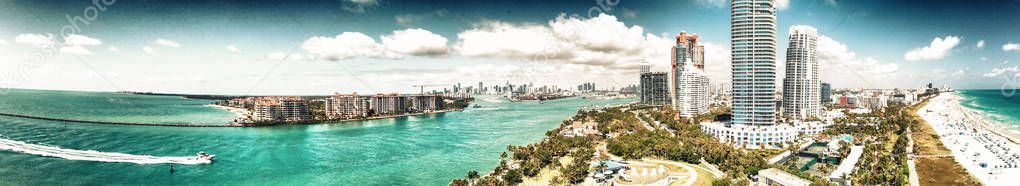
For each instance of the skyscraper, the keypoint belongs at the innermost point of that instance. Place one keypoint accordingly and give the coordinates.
(801, 89)
(686, 48)
(826, 93)
(753, 45)
(654, 88)
(693, 91)
(645, 67)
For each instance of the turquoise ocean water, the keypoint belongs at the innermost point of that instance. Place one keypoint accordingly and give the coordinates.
(994, 105)
(419, 150)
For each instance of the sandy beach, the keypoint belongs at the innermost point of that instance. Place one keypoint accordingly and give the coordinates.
(986, 149)
(239, 112)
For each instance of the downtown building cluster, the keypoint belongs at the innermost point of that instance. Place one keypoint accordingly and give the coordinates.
(686, 86)
(273, 109)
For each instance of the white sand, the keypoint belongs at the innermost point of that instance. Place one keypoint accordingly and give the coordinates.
(239, 112)
(974, 141)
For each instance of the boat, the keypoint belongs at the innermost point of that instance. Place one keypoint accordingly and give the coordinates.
(477, 106)
(205, 156)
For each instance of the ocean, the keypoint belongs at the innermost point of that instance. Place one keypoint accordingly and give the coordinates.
(994, 105)
(417, 150)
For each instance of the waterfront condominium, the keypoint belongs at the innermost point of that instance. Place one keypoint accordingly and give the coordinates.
(427, 103)
(655, 89)
(801, 89)
(688, 83)
(754, 125)
(387, 104)
(753, 45)
(346, 106)
(286, 109)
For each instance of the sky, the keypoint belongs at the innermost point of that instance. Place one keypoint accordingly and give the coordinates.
(383, 46)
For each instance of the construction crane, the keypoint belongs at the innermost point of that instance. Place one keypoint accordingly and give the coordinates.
(423, 87)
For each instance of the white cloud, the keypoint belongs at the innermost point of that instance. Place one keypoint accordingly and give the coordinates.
(841, 67)
(347, 45)
(411, 19)
(114, 49)
(415, 42)
(999, 71)
(36, 40)
(3, 42)
(717, 62)
(960, 72)
(418, 42)
(782, 4)
(938, 49)
(1011, 47)
(980, 44)
(359, 6)
(233, 49)
(281, 56)
(715, 3)
(75, 49)
(169, 43)
(75, 39)
(601, 41)
(148, 50)
(983, 58)
(276, 56)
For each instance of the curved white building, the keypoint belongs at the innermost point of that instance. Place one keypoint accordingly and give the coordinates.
(753, 44)
(801, 87)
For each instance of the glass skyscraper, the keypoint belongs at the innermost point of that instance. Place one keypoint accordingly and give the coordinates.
(753, 44)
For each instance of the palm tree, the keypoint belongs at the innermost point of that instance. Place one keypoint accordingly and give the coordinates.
(472, 176)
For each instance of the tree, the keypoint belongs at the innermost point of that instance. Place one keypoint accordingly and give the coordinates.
(472, 175)
(513, 177)
(459, 182)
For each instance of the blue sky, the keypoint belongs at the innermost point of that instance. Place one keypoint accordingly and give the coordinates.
(369, 46)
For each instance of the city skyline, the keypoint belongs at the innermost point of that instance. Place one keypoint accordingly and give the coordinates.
(162, 47)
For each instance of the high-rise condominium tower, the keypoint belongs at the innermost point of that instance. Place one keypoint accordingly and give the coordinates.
(689, 91)
(753, 44)
(686, 48)
(801, 89)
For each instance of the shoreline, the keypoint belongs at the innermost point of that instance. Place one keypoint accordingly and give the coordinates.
(988, 124)
(232, 124)
(239, 113)
(983, 148)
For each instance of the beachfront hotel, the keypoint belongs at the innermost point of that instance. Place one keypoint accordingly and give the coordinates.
(801, 91)
(688, 82)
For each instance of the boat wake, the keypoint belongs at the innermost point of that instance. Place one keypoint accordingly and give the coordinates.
(494, 100)
(89, 155)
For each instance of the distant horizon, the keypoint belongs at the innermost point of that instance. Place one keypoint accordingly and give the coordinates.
(269, 47)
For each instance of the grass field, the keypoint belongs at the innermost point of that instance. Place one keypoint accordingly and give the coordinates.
(943, 171)
(935, 170)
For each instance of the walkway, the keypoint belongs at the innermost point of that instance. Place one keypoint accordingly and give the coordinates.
(914, 179)
(638, 116)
